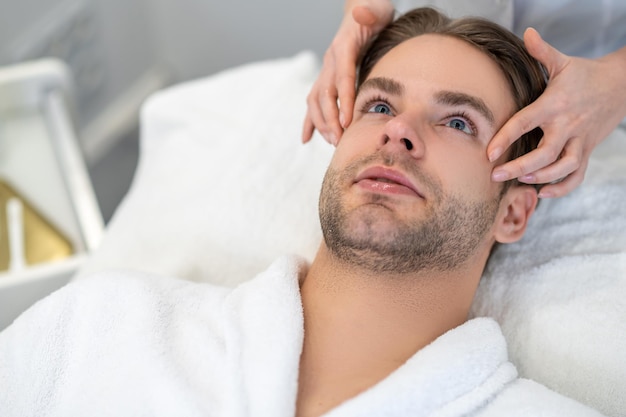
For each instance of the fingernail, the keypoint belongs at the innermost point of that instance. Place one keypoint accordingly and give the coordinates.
(527, 178)
(332, 138)
(495, 154)
(342, 120)
(545, 194)
(499, 175)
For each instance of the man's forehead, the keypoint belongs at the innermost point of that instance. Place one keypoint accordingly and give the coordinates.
(452, 69)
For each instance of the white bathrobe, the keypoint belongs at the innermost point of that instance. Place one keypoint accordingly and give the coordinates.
(124, 344)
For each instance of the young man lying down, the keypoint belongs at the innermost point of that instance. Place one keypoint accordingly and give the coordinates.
(377, 323)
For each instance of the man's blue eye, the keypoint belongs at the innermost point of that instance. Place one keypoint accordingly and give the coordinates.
(460, 124)
(380, 108)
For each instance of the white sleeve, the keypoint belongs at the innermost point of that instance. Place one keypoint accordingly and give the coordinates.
(32, 356)
(499, 11)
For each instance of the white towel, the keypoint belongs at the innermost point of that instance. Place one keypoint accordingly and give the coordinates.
(560, 293)
(125, 344)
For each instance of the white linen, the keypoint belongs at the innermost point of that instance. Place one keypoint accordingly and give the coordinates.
(126, 344)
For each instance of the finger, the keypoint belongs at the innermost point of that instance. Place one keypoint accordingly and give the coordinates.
(554, 172)
(545, 154)
(326, 114)
(346, 78)
(564, 187)
(522, 122)
(307, 128)
(315, 114)
(346, 87)
(330, 114)
(537, 113)
(545, 53)
(375, 16)
(364, 16)
(523, 165)
(570, 161)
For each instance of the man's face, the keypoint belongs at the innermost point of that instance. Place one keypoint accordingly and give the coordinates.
(409, 185)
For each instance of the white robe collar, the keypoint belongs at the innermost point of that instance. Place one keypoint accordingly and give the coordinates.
(454, 375)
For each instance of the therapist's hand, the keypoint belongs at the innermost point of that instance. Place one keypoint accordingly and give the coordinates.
(362, 20)
(584, 101)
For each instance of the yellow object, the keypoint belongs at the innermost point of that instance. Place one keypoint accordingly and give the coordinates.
(42, 241)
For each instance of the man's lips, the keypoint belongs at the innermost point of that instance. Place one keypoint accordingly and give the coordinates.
(386, 180)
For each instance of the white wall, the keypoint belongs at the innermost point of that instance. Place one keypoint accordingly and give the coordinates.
(198, 37)
(122, 50)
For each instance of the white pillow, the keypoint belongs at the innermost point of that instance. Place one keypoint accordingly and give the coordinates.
(224, 186)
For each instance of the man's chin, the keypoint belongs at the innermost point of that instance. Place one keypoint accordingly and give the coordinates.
(377, 227)
(379, 216)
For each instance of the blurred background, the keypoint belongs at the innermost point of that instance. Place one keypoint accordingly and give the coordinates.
(121, 51)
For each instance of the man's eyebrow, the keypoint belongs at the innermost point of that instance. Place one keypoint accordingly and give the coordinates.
(386, 85)
(455, 98)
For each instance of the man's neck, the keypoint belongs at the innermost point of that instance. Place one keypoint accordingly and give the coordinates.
(359, 326)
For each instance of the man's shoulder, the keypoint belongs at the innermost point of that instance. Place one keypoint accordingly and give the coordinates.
(120, 296)
(128, 288)
(142, 299)
(120, 286)
(524, 397)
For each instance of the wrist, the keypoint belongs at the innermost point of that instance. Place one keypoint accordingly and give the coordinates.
(614, 90)
(617, 61)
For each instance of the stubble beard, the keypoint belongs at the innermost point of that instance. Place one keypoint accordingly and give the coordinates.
(442, 240)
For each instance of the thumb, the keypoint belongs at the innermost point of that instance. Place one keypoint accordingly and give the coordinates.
(542, 51)
(374, 15)
(364, 16)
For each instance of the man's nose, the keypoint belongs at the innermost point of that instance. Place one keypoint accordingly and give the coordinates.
(403, 136)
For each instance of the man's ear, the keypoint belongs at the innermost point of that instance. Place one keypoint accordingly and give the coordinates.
(516, 207)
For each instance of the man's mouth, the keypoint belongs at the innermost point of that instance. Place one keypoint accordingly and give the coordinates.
(384, 180)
